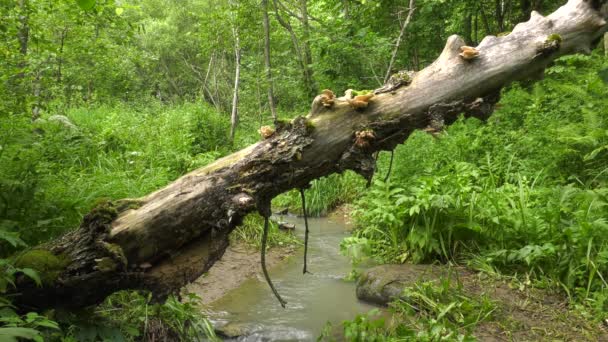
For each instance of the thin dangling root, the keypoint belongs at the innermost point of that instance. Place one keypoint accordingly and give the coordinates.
(390, 167)
(264, 239)
(369, 180)
(306, 232)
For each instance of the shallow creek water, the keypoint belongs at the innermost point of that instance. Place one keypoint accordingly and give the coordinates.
(312, 299)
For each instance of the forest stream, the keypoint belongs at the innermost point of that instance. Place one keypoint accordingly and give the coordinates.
(312, 299)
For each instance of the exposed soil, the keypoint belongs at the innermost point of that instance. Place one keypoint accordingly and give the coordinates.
(239, 263)
(529, 314)
(342, 214)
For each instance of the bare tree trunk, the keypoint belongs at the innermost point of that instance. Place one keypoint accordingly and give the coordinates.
(234, 117)
(484, 20)
(310, 82)
(346, 7)
(500, 15)
(606, 44)
(23, 36)
(404, 25)
(162, 241)
(24, 30)
(273, 109)
(37, 89)
(64, 34)
(467, 27)
(294, 41)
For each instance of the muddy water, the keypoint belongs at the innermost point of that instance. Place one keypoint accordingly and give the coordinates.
(312, 299)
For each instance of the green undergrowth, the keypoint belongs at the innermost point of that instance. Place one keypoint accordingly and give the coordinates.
(427, 311)
(118, 151)
(323, 195)
(250, 233)
(524, 194)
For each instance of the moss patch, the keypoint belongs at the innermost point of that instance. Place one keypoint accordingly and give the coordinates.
(128, 204)
(104, 211)
(554, 38)
(48, 265)
(361, 92)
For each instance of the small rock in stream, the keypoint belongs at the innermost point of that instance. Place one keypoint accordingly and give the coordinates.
(385, 283)
(232, 330)
(286, 226)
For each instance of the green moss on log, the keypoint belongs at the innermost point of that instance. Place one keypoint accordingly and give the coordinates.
(103, 211)
(128, 204)
(361, 92)
(48, 265)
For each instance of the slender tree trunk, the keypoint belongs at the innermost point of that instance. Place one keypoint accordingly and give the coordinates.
(415, 59)
(310, 82)
(273, 110)
(484, 20)
(404, 25)
(467, 28)
(24, 29)
(64, 33)
(23, 36)
(606, 44)
(499, 14)
(476, 27)
(163, 240)
(295, 42)
(346, 7)
(37, 89)
(234, 117)
(206, 89)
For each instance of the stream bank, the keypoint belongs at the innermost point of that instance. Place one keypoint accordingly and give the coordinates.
(522, 313)
(239, 263)
(252, 313)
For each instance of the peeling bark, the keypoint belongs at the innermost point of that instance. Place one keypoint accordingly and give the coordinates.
(170, 237)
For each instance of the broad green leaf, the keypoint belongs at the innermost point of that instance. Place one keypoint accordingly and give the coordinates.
(11, 334)
(12, 238)
(86, 4)
(119, 10)
(32, 274)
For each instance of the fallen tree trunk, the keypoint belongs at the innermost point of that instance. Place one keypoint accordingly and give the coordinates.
(164, 240)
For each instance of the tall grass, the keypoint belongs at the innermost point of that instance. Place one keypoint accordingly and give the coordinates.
(51, 174)
(323, 195)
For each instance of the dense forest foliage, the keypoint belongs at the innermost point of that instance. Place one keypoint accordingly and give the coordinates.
(114, 99)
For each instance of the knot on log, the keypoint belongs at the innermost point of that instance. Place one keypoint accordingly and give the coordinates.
(451, 49)
(550, 45)
(397, 80)
(96, 227)
(364, 137)
(482, 107)
(442, 114)
(359, 157)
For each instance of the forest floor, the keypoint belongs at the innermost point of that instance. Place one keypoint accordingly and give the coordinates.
(239, 263)
(529, 314)
(519, 312)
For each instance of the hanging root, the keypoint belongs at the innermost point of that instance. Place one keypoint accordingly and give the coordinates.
(390, 167)
(264, 239)
(306, 232)
(388, 174)
(371, 178)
